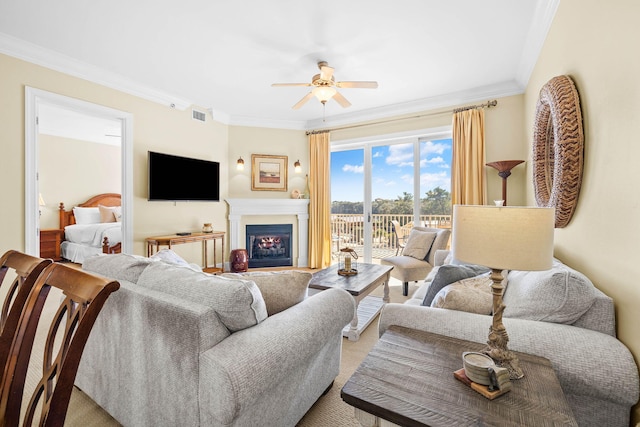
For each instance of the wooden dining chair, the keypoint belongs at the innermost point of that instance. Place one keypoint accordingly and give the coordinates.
(80, 301)
(25, 269)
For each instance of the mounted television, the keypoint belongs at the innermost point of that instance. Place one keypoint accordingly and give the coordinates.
(175, 178)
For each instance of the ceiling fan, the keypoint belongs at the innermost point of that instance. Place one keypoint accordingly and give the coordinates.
(324, 87)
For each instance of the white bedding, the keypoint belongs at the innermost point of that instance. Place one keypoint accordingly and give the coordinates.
(93, 234)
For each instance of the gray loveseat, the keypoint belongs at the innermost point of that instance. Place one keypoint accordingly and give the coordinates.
(180, 347)
(557, 314)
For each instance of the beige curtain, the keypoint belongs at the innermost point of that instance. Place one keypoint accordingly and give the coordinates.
(320, 201)
(468, 183)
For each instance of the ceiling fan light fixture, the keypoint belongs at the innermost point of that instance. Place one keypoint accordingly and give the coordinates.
(324, 93)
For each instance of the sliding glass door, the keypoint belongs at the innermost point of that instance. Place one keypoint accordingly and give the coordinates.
(374, 185)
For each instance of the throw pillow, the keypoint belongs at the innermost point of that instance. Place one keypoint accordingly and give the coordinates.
(237, 302)
(170, 257)
(471, 295)
(118, 266)
(107, 213)
(559, 295)
(85, 216)
(448, 274)
(280, 289)
(419, 243)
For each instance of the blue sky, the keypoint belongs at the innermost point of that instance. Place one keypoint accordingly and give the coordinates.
(392, 170)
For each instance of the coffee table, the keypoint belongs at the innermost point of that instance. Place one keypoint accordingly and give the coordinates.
(407, 379)
(369, 277)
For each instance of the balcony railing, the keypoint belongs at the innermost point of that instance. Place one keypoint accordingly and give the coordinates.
(348, 230)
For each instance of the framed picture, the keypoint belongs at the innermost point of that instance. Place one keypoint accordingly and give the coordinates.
(268, 173)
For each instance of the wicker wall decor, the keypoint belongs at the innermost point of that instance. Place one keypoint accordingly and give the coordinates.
(558, 146)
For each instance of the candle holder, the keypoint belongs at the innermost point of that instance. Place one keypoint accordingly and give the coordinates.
(347, 262)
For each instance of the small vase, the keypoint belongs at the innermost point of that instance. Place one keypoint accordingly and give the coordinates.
(207, 228)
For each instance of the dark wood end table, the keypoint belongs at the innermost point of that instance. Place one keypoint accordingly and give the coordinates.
(407, 379)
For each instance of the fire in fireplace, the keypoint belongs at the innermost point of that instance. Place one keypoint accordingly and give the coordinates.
(269, 245)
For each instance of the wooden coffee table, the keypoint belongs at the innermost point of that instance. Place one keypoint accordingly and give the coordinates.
(369, 277)
(407, 379)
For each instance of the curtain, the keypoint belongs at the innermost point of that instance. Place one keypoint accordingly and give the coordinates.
(468, 183)
(320, 201)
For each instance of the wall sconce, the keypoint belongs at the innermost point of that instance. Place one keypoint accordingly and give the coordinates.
(240, 164)
(297, 167)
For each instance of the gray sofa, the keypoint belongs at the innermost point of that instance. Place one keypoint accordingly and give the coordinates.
(180, 347)
(557, 314)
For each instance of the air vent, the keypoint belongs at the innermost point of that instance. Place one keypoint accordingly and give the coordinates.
(198, 115)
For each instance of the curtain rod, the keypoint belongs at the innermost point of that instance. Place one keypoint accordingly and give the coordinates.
(487, 104)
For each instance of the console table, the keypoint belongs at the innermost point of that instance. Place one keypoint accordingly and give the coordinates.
(175, 239)
(407, 380)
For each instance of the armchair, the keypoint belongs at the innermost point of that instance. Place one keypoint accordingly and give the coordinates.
(408, 268)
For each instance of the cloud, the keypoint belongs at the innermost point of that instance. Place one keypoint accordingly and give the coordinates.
(429, 181)
(431, 147)
(400, 155)
(353, 168)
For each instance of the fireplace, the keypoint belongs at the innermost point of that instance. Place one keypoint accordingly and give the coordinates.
(269, 245)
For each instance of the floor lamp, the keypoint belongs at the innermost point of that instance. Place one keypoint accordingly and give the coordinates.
(503, 238)
(504, 171)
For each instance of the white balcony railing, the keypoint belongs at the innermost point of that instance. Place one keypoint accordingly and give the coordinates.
(348, 230)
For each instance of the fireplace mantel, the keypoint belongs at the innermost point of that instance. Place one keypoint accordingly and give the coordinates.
(247, 207)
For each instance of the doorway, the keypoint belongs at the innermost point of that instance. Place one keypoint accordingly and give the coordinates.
(35, 101)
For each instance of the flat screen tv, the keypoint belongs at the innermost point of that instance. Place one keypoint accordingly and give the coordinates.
(175, 178)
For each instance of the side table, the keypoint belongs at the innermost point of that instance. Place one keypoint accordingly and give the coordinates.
(178, 239)
(50, 241)
(407, 379)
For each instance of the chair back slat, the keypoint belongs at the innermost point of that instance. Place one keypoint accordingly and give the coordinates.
(83, 294)
(26, 269)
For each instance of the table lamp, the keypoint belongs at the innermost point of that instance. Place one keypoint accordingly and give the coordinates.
(503, 238)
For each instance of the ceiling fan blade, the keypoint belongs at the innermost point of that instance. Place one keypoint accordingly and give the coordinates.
(365, 85)
(341, 100)
(303, 101)
(326, 72)
(290, 84)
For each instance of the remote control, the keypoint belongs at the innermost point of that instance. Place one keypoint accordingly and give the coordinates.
(183, 234)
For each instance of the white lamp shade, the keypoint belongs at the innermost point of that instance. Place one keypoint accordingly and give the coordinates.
(513, 237)
(324, 93)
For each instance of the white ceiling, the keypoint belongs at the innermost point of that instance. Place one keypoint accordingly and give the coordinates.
(224, 55)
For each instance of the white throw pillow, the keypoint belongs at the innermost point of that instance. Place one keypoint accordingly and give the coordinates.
(419, 243)
(472, 295)
(558, 295)
(86, 216)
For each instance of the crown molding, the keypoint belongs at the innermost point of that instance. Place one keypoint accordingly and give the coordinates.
(58, 62)
(267, 123)
(540, 25)
(499, 90)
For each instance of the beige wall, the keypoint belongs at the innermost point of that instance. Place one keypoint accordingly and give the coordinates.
(155, 127)
(72, 171)
(596, 43)
(245, 141)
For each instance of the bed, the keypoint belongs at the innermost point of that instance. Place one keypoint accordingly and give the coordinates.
(92, 227)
